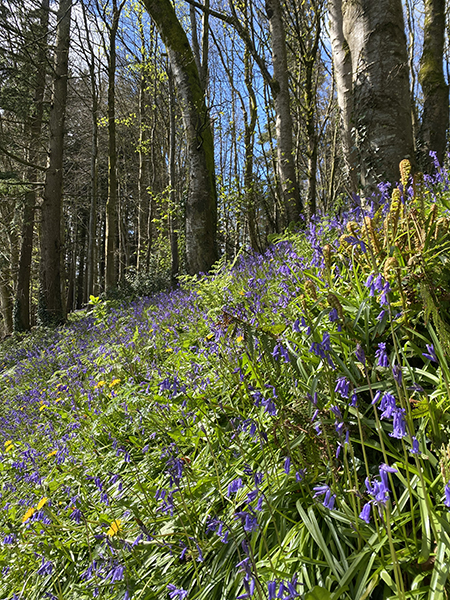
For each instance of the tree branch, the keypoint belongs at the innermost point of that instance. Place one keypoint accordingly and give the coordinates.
(245, 37)
(22, 161)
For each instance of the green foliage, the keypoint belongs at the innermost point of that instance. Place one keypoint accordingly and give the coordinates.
(230, 438)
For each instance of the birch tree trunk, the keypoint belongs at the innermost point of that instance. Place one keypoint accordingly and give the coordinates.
(373, 35)
(201, 204)
(342, 63)
(50, 308)
(435, 118)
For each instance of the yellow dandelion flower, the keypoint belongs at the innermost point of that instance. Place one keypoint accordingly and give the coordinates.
(99, 384)
(42, 407)
(8, 443)
(115, 527)
(114, 382)
(169, 350)
(239, 339)
(30, 512)
(41, 503)
(52, 453)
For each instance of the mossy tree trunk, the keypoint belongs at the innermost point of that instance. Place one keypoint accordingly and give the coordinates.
(373, 38)
(435, 118)
(201, 203)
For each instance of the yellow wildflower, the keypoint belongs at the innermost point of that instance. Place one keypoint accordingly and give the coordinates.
(41, 503)
(99, 384)
(30, 512)
(240, 338)
(115, 527)
(52, 453)
(114, 382)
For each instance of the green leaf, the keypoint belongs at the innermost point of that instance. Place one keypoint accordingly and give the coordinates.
(440, 570)
(318, 593)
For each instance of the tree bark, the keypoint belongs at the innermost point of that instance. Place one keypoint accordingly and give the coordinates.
(283, 123)
(342, 63)
(435, 118)
(201, 203)
(111, 258)
(92, 226)
(50, 309)
(377, 106)
(22, 298)
(173, 209)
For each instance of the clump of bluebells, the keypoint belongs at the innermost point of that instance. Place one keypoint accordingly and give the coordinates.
(275, 430)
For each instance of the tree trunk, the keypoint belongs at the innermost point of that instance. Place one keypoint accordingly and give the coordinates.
(201, 203)
(379, 109)
(435, 119)
(22, 299)
(280, 90)
(342, 63)
(173, 209)
(92, 230)
(111, 259)
(51, 309)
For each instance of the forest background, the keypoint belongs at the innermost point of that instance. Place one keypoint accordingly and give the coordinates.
(141, 141)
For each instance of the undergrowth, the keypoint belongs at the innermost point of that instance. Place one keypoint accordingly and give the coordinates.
(277, 429)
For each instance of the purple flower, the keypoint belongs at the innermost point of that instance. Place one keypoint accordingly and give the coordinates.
(359, 353)
(447, 495)
(365, 513)
(287, 465)
(272, 589)
(381, 355)
(399, 431)
(430, 354)
(397, 373)
(175, 592)
(342, 387)
(387, 405)
(46, 567)
(381, 314)
(333, 315)
(415, 446)
(234, 486)
(280, 351)
(329, 499)
(379, 282)
(384, 295)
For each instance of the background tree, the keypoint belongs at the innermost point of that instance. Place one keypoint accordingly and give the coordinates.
(201, 203)
(435, 117)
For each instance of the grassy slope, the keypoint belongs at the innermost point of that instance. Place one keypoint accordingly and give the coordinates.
(177, 441)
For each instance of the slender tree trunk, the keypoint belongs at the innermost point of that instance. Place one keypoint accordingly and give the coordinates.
(143, 197)
(92, 227)
(435, 119)
(201, 204)
(22, 299)
(250, 117)
(280, 89)
(173, 209)
(111, 258)
(51, 309)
